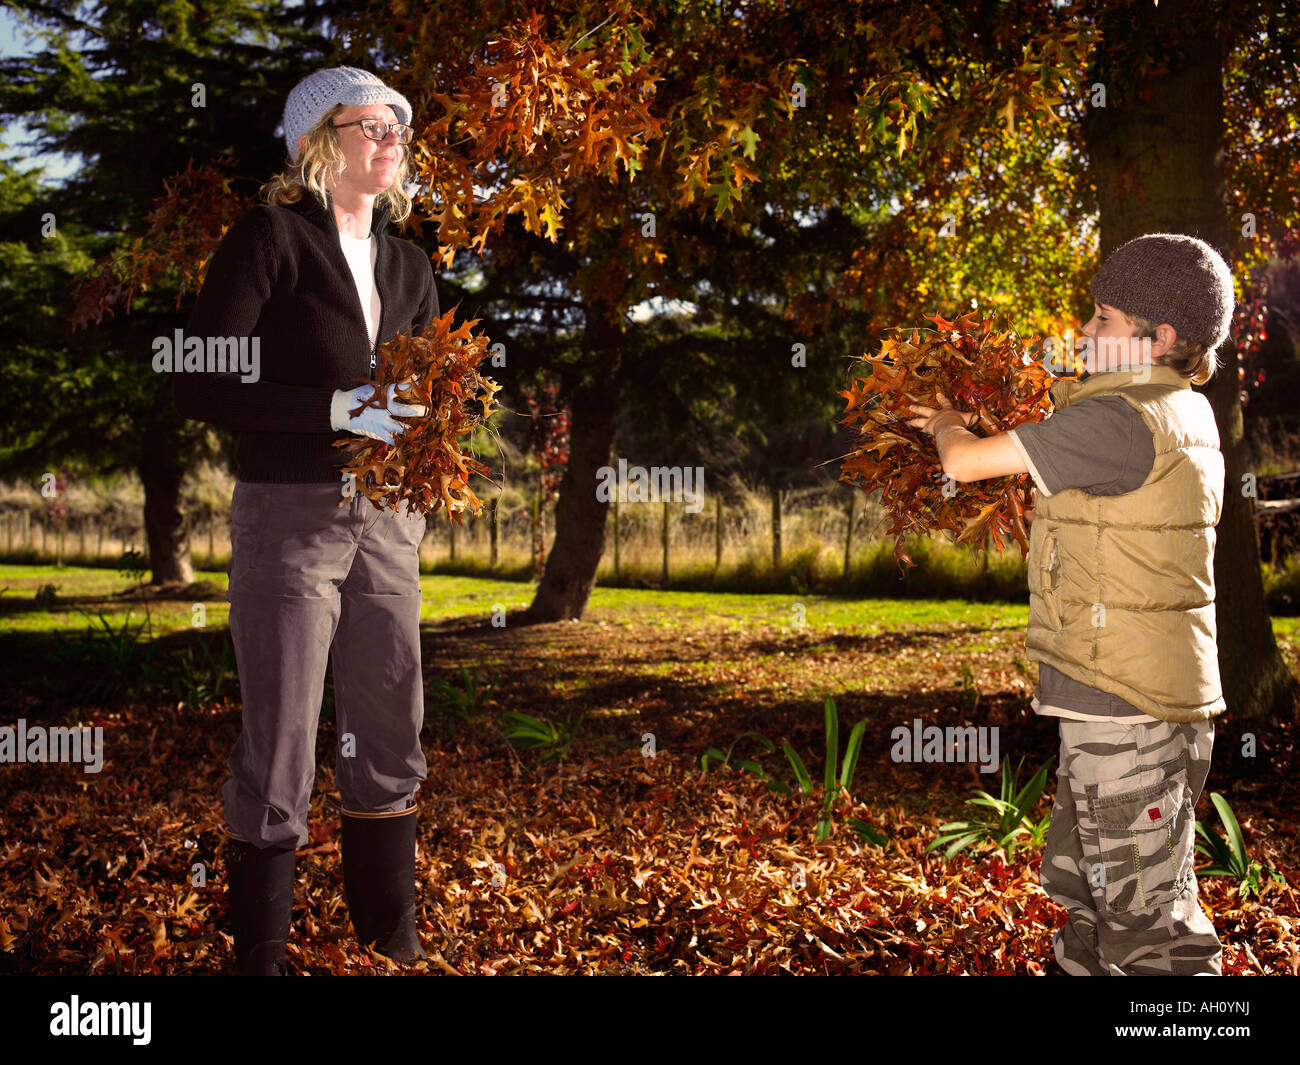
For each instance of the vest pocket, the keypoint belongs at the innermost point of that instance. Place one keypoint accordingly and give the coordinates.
(1048, 577)
(1145, 839)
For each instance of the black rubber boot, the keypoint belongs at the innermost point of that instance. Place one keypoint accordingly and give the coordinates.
(379, 883)
(260, 905)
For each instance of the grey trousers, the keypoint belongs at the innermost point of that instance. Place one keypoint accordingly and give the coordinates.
(310, 579)
(1120, 849)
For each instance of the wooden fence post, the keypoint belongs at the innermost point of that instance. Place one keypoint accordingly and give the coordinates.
(717, 534)
(494, 530)
(776, 528)
(664, 537)
(616, 538)
(848, 536)
(537, 533)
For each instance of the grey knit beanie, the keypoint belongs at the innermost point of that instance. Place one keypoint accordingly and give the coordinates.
(1174, 278)
(314, 96)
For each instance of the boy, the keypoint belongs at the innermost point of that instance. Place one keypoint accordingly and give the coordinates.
(1130, 482)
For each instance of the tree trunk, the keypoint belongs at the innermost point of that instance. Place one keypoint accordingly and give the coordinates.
(1156, 153)
(539, 534)
(164, 521)
(579, 515)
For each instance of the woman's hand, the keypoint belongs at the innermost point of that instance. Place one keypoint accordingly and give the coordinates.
(378, 423)
(932, 419)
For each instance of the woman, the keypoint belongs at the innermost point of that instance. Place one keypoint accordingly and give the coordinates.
(316, 570)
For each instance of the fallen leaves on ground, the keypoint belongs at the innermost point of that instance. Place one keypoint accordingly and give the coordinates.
(611, 862)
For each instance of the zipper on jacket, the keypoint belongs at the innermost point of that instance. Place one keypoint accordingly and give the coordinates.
(383, 303)
(333, 225)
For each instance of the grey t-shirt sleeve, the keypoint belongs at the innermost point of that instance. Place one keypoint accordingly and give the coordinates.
(1099, 444)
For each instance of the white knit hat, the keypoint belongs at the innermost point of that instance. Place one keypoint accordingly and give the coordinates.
(314, 96)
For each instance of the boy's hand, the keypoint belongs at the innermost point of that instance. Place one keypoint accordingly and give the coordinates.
(934, 418)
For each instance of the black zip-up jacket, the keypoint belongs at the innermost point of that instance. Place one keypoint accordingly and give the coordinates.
(280, 275)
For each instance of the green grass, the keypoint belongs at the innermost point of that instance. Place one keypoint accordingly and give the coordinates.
(454, 598)
(87, 648)
(1286, 627)
(83, 592)
(819, 613)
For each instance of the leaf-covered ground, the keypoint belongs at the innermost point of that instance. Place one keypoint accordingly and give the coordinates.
(614, 862)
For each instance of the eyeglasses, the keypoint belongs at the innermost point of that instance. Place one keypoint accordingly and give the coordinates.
(377, 131)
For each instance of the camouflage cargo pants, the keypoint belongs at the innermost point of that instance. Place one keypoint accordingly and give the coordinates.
(1120, 848)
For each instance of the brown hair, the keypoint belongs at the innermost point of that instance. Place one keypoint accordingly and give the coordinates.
(322, 161)
(1191, 360)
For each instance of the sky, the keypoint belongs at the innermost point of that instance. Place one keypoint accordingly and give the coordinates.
(16, 134)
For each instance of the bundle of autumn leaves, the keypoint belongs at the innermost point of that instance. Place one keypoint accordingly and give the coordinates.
(425, 468)
(977, 370)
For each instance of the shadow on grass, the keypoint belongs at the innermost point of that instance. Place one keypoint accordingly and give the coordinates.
(58, 676)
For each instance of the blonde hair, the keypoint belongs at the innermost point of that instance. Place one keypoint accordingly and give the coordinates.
(1191, 360)
(322, 162)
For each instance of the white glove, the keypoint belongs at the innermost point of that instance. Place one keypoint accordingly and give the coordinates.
(374, 422)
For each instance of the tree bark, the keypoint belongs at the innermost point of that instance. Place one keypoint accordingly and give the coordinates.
(579, 516)
(164, 521)
(1156, 153)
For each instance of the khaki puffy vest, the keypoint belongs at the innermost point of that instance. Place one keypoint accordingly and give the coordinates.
(1121, 588)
